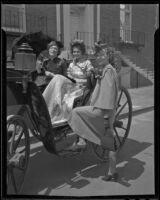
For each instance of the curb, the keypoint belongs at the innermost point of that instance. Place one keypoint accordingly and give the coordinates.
(137, 112)
(142, 110)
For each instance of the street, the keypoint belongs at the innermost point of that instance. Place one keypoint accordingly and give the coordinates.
(81, 175)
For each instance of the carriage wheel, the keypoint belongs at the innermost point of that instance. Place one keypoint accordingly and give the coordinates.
(122, 124)
(18, 150)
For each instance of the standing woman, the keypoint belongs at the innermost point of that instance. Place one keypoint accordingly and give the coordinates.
(88, 121)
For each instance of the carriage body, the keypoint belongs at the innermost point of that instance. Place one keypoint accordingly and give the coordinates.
(27, 114)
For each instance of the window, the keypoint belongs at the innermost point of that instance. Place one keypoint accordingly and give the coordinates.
(125, 22)
(13, 17)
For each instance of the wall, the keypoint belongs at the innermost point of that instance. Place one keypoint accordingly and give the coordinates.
(137, 56)
(125, 77)
(144, 19)
(110, 19)
(137, 80)
(47, 12)
(40, 18)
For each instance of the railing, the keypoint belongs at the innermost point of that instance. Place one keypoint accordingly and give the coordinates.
(132, 37)
(17, 21)
(114, 37)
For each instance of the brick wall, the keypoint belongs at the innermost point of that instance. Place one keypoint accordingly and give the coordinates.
(109, 19)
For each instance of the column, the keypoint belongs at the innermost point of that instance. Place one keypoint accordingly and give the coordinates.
(58, 18)
(66, 19)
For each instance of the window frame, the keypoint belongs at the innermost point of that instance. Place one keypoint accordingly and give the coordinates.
(22, 25)
(123, 28)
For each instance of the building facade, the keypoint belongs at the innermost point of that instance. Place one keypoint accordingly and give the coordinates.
(130, 28)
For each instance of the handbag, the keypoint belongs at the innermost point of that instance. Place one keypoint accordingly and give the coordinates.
(108, 141)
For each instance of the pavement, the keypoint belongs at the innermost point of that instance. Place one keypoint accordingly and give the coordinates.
(142, 99)
(82, 174)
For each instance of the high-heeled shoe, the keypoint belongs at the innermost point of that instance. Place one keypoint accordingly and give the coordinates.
(111, 177)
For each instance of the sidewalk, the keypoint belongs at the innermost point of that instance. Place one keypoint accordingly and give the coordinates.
(142, 98)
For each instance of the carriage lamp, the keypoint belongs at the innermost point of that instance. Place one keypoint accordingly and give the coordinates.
(25, 61)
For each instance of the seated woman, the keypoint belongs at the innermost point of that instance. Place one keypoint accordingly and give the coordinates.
(48, 64)
(61, 91)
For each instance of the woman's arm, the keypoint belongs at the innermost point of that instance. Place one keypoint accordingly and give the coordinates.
(39, 66)
(89, 68)
(49, 74)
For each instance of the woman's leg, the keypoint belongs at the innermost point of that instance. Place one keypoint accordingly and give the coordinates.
(88, 123)
(111, 173)
(112, 162)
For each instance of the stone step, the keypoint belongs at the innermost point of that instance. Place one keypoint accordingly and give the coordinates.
(144, 72)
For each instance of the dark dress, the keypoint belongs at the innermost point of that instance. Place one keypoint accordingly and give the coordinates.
(56, 66)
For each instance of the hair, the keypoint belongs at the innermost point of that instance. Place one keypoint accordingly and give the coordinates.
(79, 44)
(56, 43)
(109, 51)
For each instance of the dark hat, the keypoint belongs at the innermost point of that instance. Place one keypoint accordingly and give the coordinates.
(57, 43)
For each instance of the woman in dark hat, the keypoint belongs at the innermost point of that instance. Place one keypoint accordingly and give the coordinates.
(49, 62)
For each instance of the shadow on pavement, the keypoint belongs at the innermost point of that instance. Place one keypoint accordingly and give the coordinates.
(53, 172)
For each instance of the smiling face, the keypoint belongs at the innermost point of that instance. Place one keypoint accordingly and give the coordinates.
(53, 51)
(77, 53)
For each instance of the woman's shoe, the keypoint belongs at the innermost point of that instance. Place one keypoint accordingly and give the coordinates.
(111, 177)
(76, 147)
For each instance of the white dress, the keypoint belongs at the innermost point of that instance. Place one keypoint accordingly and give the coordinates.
(60, 93)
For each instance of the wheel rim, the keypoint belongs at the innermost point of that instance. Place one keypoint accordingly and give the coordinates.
(18, 150)
(123, 118)
(121, 125)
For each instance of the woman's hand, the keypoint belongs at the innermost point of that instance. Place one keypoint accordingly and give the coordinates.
(98, 73)
(50, 74)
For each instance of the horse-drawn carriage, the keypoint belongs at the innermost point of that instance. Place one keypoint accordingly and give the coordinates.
(28, 114)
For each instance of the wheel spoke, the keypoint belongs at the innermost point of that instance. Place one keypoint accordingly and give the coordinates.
(123, 128)
(11, 143)
(121, 109)
(18, 140)
(11, 147)
(117, 135)
(119, 97)
(13, 180)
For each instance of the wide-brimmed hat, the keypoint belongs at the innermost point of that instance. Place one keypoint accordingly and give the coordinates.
(57, 43)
